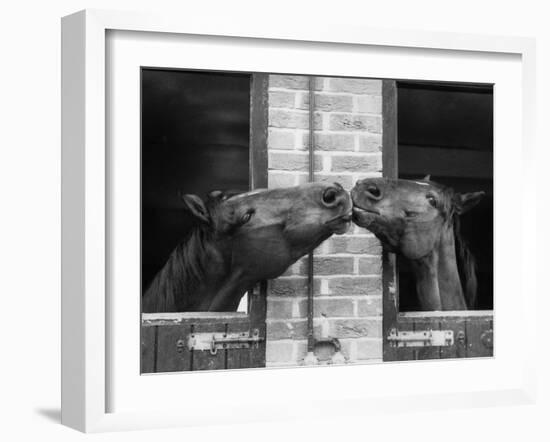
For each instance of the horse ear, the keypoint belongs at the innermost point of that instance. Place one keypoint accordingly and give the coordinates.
(426, 178)
(469, 201)
(196, 206)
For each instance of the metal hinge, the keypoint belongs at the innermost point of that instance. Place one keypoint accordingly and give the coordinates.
(222, 341)
(426, 338)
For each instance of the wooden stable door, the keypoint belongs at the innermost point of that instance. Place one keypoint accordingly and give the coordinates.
(431, 335)
(172, 342)
(439, 336)
(423, 134)
(182, 156)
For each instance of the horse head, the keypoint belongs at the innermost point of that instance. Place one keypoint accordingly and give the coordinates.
(408, 216)
(240, 239)
(418, 220)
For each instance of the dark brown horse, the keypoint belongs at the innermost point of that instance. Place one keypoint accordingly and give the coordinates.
(239, 240)
(420, 221)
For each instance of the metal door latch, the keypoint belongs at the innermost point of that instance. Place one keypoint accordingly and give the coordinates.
(223, 341)
(426, 338)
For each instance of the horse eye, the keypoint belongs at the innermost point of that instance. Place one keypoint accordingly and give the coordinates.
(431, 200)
(410, 213)
(246, 217)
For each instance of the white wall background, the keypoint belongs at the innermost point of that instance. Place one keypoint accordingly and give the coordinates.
(30, 214)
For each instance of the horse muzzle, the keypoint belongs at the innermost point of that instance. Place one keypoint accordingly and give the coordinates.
(340, 223)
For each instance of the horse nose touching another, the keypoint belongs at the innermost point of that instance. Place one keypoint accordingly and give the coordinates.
(239, 239)
(419, 220)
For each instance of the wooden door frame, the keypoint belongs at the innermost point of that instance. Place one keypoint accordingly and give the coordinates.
(475, 322)
(258, 130)
(259, 120)
(390, 297)
(255, 318)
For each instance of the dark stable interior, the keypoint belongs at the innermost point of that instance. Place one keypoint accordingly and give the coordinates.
(446, 130)
(195, 139)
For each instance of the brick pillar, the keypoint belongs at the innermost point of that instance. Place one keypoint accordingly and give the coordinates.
(347, 268)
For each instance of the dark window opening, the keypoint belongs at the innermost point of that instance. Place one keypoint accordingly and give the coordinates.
(195, 138)
(446, 130)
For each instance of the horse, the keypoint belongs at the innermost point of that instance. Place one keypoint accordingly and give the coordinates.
(420, 220)
(240, 239)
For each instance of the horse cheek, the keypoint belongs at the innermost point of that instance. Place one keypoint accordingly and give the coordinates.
(414, 246)
(249, 254)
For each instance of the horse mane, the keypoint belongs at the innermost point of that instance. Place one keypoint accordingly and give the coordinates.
(173, 286)
(466, 265)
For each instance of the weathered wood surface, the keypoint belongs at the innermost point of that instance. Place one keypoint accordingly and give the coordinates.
(258, 130)
(153, 319)
(458, 325)
(476, 345)
(168, 357)
(164, 342)
(469, 327)
(389, 130)
(161, 332)
(472, 336)
(148, 346)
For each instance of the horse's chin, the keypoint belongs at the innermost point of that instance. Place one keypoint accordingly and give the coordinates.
(342, 227)
(365, 218)
(339, 224)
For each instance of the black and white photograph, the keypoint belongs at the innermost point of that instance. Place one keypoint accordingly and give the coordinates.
(274, 221)
(301, 220)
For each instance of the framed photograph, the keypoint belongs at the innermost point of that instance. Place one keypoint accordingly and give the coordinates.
(238, 201)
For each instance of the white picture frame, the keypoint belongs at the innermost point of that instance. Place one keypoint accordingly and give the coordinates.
(85, 202)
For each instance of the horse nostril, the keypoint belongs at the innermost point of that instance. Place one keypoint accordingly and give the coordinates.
(374, 191)
(329, 195)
